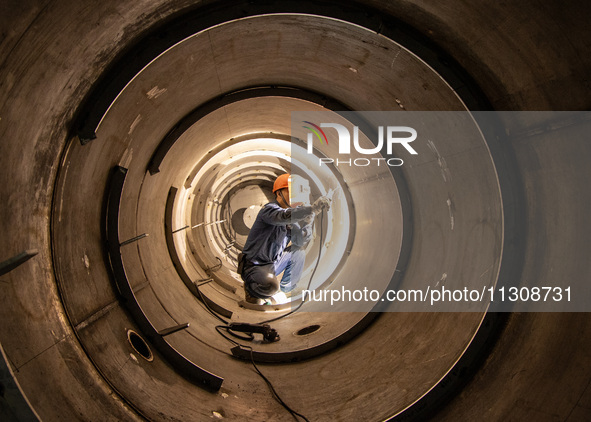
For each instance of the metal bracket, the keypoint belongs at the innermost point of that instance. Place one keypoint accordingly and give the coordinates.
(180, 363)
(11, 263)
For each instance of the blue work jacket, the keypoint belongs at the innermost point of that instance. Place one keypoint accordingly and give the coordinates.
(272, 231)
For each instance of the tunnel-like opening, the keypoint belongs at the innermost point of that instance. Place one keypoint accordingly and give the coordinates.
(308, 330)
(139, 345)
(193, 174)
(65, 310)
(230, 189)
(194, 156)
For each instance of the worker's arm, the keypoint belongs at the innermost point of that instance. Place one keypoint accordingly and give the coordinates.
(277, 216)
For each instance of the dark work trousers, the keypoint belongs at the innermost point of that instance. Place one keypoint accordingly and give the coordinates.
(261, 280)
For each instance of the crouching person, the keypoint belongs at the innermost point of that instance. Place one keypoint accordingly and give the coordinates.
(268, 252)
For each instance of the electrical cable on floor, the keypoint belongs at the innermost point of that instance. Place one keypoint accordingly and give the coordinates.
(267, 381)
(211, 311)
(234, 342)
(289, 409)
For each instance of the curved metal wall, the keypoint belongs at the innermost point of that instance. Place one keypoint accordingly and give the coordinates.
(64, 329)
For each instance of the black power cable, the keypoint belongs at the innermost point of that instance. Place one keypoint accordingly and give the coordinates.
(218, 328)
(211, 311)
(250, 336)
(289, 409)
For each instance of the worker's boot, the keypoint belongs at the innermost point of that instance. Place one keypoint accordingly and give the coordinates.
(251, 299)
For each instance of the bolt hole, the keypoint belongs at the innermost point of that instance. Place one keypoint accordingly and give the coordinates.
(139, 345)
(308, 330)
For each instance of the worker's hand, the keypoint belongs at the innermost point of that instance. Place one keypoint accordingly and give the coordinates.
(322, 203)
(307, 220)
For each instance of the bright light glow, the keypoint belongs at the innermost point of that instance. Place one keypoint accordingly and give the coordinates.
(227, 168)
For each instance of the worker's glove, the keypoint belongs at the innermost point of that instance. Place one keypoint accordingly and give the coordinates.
(307, 220)
(322, 203)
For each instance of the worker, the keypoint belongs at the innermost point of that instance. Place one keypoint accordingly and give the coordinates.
(268, 252)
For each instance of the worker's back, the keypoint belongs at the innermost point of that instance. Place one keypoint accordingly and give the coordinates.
(269, 234)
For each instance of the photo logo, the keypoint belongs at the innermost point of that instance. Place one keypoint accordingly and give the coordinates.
(315, 130)
(388, 135)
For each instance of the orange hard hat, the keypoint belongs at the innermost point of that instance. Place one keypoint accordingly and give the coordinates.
(281, 182)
